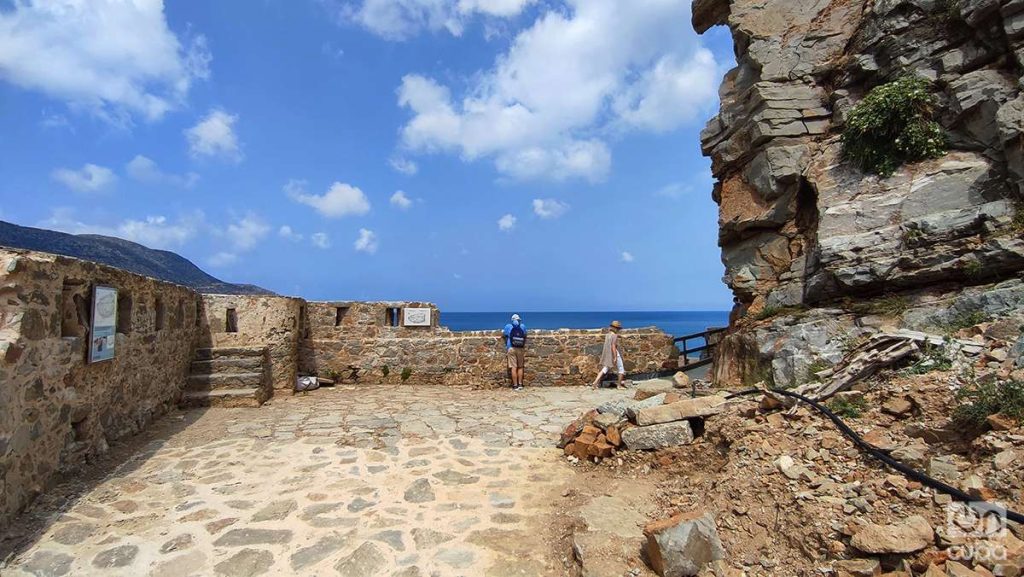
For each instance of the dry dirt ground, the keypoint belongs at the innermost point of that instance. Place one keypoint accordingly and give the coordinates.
(361, 481)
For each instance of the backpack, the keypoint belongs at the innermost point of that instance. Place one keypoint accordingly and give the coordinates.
(517, 336)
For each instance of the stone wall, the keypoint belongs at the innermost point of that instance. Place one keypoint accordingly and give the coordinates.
(259, 321)
(357, 346)
(799, 226)
(56, 410)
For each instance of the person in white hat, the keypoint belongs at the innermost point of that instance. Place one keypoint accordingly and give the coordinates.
(610, 355)
(515, 350)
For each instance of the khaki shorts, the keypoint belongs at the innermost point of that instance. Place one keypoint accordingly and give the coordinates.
(516, 358)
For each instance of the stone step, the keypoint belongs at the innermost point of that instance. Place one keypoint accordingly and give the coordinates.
(228, 398)
(225, 381)
(227, 365)
(228, 352)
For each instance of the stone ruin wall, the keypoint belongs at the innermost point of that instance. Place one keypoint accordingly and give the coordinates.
(261, 321)
(800, 227)
(56, 410)
(358, 349)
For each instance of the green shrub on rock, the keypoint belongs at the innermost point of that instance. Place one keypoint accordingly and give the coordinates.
(893, 125)
(979, 400)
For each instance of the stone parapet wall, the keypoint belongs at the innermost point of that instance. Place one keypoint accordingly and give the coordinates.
(56, 410)
(259, 321)
(443, 357)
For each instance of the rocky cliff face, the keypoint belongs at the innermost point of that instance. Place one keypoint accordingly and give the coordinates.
(802, 227)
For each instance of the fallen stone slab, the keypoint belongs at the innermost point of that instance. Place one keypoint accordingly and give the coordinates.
(910, 536)
(658, 436)
(685, 409)
(653, 387)
(682, 544)
(619, 406)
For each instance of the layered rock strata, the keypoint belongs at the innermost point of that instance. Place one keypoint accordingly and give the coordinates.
(799, 225)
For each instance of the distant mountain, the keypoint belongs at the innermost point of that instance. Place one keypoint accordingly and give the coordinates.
(123, 254)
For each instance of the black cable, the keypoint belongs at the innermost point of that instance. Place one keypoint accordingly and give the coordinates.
(881, 456)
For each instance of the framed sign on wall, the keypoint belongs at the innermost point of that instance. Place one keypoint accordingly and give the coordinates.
(416, 317)
(103, 323)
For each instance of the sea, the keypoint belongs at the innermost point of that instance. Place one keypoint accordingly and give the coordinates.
(675, 323)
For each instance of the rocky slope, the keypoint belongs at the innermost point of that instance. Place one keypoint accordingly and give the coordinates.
(133, 257)
(802, 227)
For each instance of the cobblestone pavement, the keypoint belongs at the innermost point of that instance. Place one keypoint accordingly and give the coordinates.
(358, 482)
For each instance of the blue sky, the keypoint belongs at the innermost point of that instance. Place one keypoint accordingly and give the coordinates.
(480, 154)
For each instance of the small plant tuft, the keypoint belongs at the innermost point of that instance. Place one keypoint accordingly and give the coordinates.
(770, 311)
(406, 373)
(912, 237)
(933, 358)
(385, 370)
(974, 269)
(965, 320)
(816, 367)
(1018, 216)
(979, 400)
(891, 306)
(892, 126)
(848, 407)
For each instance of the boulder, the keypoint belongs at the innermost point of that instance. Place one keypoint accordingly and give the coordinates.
(653, 387)
(1001, 422)
(911, 536)
(898, 407)
(858, 568)
(658, 436)
(681, 380)
(685, 409)
(683, 544)
(619, 406)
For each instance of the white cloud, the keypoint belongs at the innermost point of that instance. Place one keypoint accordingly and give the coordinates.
(246, 232)
(549, 208)
(331, 51)
(320, 240)
(402, 19)
(55, 121)
(627, 256)
(400, 201)
(564, 85)
(286, 232)
(222, 259)
(144, 169)
(505, 8)
(367, 241)
(154, 231)
(89, 178)
(214, 136)
(507, 223)
(404, 165)
(113, 58)
(339, 200)
(700, 182)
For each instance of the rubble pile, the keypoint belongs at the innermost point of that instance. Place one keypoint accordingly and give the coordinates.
(661, 415)
(782, 492)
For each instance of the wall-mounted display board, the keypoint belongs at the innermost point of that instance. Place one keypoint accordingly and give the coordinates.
(416, 317)
(103, 323)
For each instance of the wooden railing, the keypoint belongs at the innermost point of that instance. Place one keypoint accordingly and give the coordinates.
(711, 336)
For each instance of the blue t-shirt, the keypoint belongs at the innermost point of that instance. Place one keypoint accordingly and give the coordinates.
(508, 334)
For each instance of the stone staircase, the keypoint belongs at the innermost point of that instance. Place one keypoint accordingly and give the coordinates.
(227, 377)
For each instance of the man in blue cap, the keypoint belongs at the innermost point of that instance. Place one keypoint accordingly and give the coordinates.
(515, 350)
